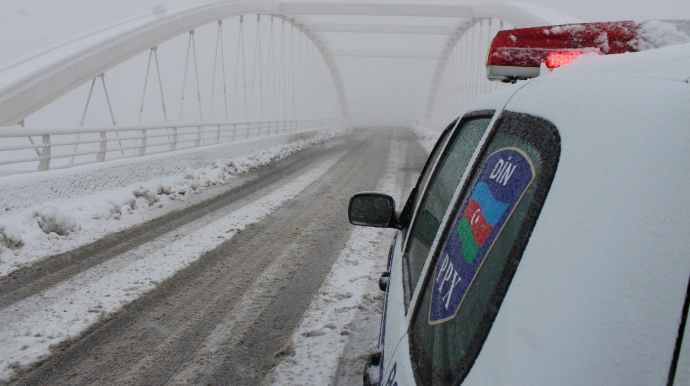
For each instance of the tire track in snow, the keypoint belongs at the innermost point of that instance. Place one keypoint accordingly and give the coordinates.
(44, 274)
(170, 330)
(64, 309)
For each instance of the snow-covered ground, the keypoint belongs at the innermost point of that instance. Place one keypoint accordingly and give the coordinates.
(33, 325)
(35, 232)
(350, 296)
(427, 138)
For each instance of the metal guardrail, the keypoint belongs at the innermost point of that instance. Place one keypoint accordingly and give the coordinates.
(99, 144)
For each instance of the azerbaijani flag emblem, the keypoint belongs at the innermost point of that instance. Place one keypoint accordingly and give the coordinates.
(502, 181)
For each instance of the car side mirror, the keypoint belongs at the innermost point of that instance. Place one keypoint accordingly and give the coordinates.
(373, 210)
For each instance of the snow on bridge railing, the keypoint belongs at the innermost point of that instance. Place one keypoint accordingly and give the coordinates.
(107, 143)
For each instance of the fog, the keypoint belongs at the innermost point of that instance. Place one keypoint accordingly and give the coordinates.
(380, 91)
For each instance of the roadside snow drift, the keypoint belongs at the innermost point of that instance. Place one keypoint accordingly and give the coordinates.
(350, 296)
(32, 326)
(28, 234)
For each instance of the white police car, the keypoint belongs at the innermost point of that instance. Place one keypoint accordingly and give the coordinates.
(547, 241)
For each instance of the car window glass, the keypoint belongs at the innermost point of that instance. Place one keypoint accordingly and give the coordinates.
(415, 195)
(480, 249)
(437, 197)
(433, 157)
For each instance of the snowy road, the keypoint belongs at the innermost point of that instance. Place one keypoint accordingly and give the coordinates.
(224, 288)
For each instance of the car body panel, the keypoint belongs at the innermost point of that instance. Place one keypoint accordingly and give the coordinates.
(683, 368)
(613, 230)
(598, 294)
(393, 321)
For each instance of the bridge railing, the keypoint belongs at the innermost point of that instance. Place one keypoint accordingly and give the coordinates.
(73, 146)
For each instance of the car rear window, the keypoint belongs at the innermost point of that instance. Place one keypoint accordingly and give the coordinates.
(481, 248)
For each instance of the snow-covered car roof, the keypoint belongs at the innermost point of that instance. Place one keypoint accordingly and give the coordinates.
(603, 278)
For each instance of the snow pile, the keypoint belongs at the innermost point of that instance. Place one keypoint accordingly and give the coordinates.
(52, 220)
(349, 302)
(32, 326)
(657, 34)
(350, 295)
(10, 236)
(32, 233)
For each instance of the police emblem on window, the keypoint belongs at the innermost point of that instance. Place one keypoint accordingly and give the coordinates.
(502, 181)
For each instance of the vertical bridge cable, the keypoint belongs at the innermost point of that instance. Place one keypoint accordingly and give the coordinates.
(219, 38)
(271, 82)
(261, 84)
(146, 82)
(487, 85)
(213, 75)
(281, 68)
(312, 78)
(184, 76)
(257, 52)
(38, 152)
(240, 52)
(160, 87)
(305, 81)
(318, 86)
(474, 63)
(292, 69)
(222, 63)
(463, 47)
(198, 89)
(112, 116)
(284, 75)
(142, 149)
(141, 107)
(303, 78)
(153, 53)
(296, 74)
(458, 106)
(191, 47)
(83, 119)
(462, 80)
(481, 80)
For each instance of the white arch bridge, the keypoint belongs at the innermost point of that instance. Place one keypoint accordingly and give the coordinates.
(223, 71)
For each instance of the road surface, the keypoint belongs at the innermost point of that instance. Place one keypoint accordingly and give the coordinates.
(227, 317)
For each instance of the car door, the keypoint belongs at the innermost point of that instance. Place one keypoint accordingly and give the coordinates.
(472, 260)
(680, 366)
(393, 324)
(425, 207)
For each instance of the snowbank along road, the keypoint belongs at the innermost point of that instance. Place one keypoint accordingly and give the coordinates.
(213, 293)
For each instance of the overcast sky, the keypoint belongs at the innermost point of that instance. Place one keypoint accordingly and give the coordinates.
(379, 90)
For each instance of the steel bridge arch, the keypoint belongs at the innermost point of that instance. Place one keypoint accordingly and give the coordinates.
(512, 13)
(33, 82)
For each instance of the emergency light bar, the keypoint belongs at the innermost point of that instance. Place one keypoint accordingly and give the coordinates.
(519, 53)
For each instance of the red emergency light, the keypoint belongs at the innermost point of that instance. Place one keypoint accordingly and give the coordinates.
(561, 58)
(518, 54)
